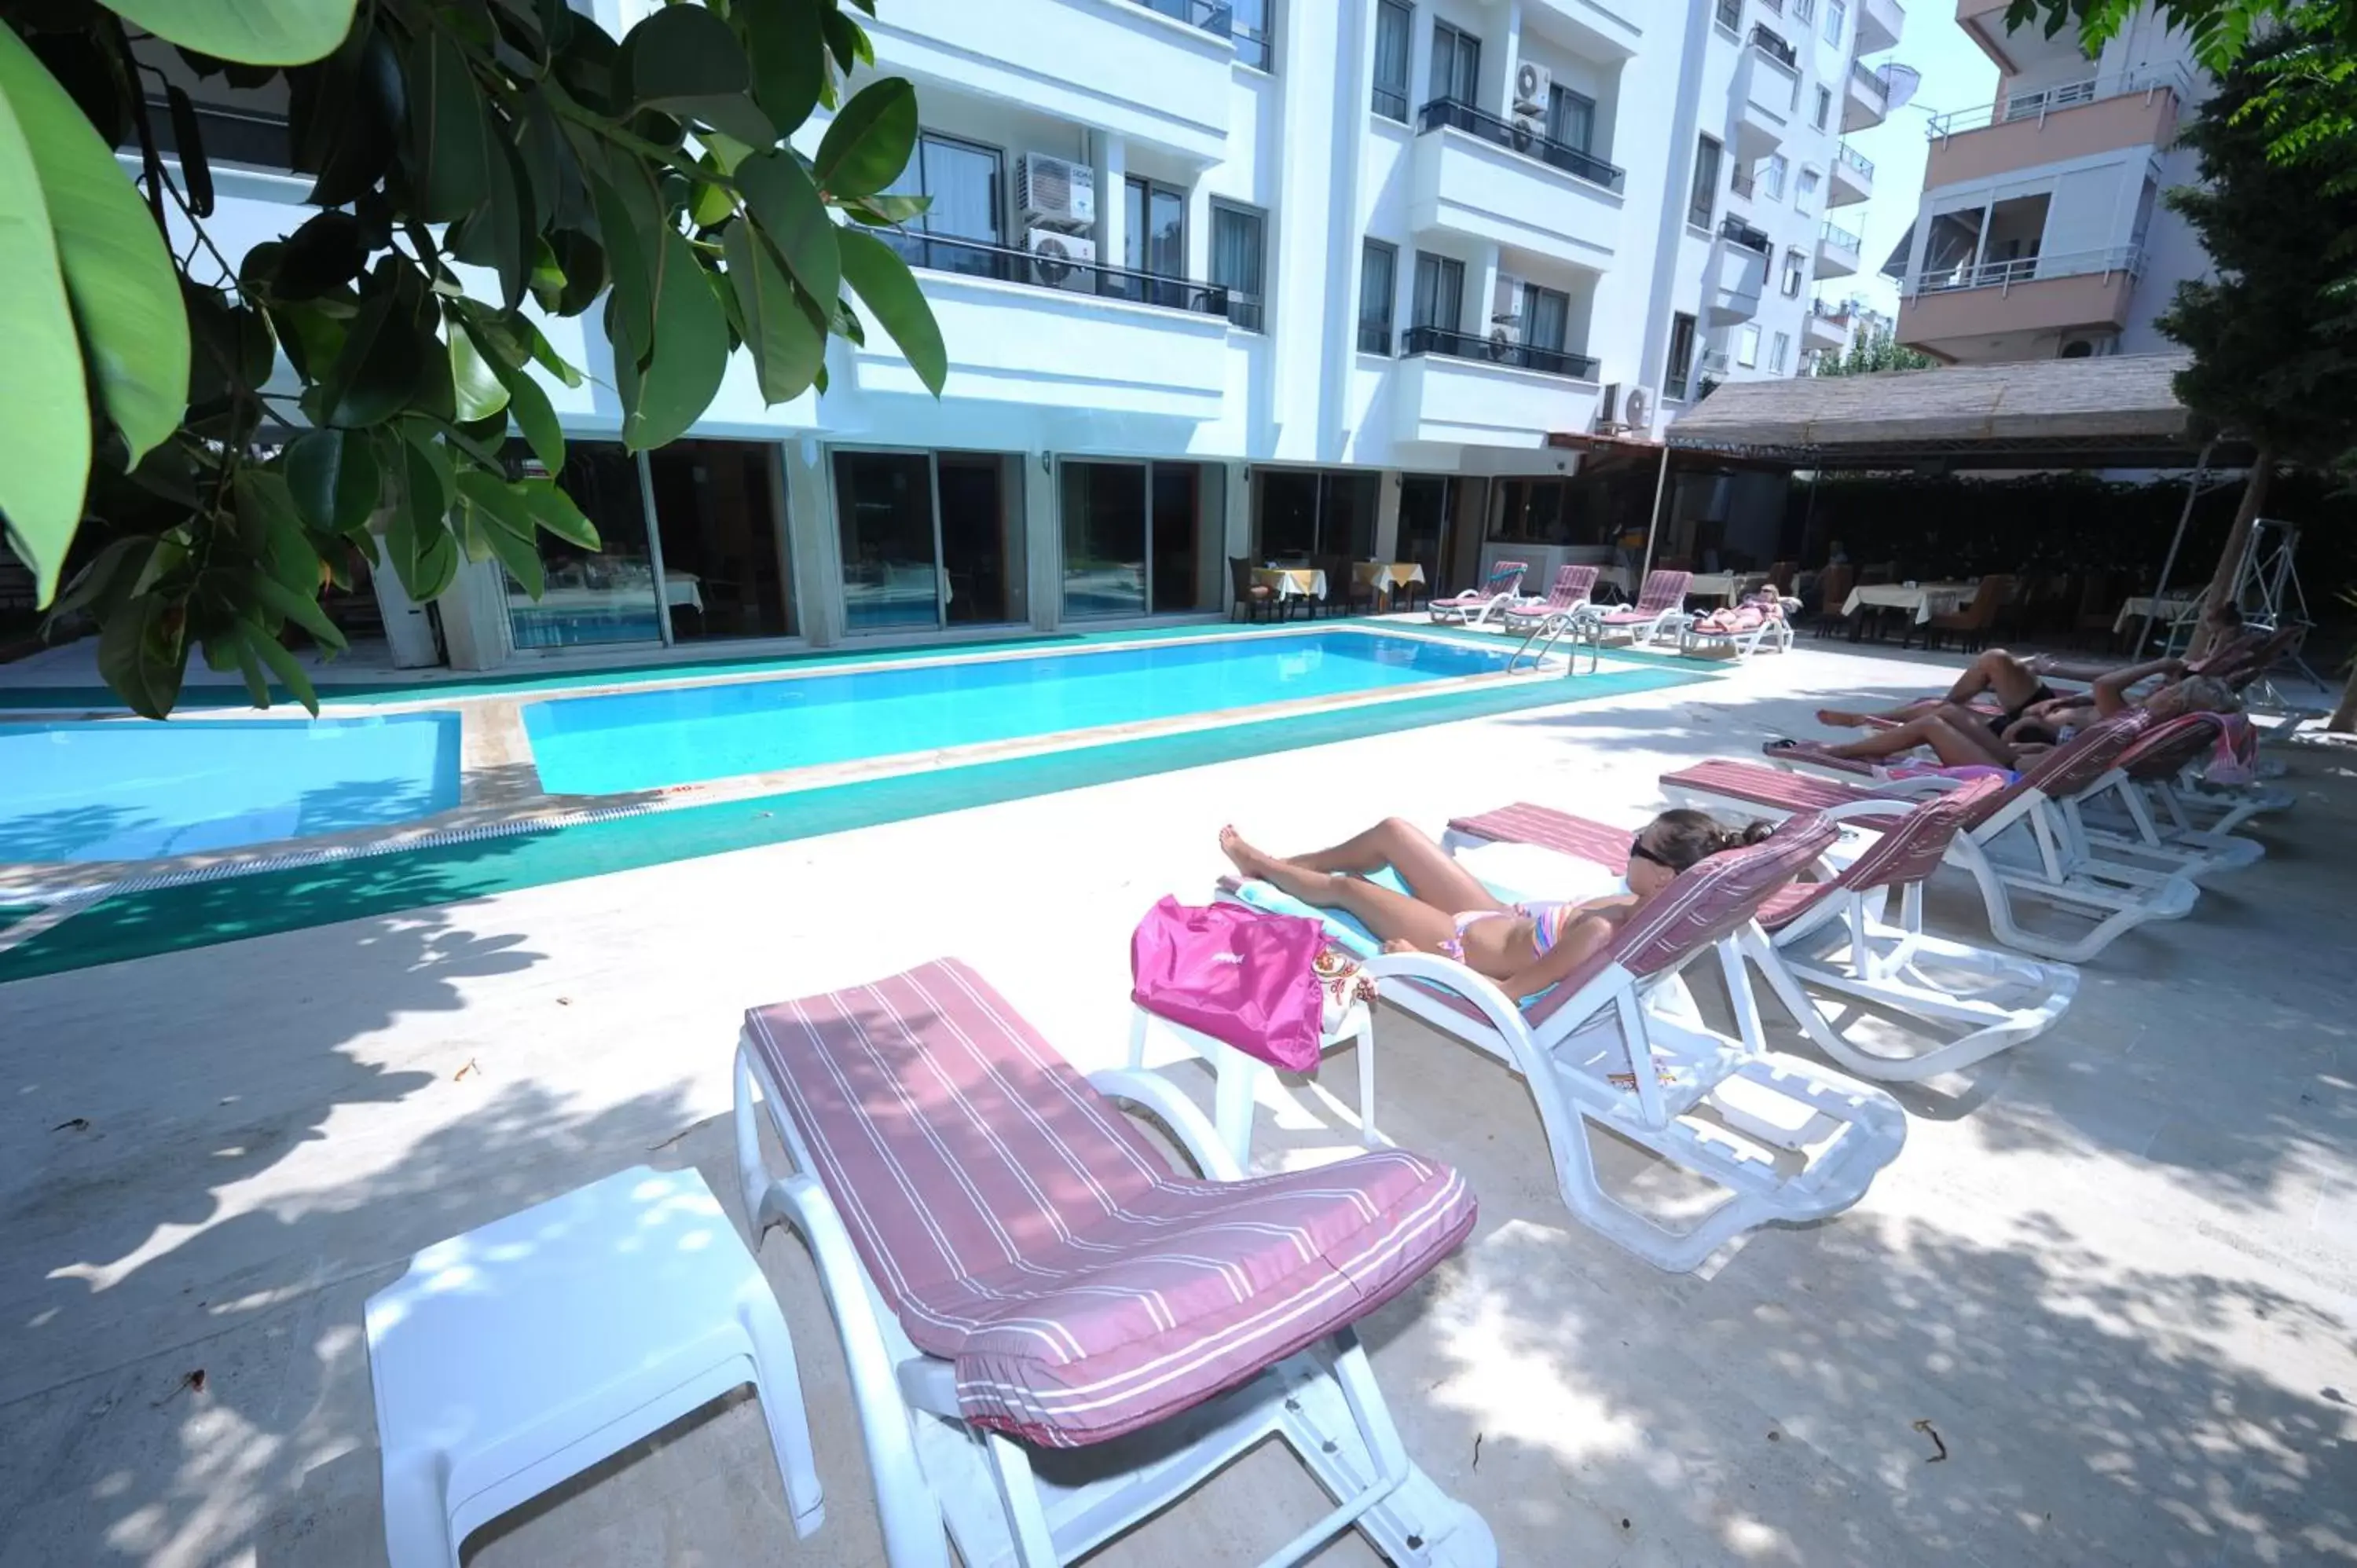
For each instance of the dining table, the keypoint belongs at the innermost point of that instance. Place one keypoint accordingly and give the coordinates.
(1921, 601)
(2168, 612)
(1386, 577)
(1292, 581)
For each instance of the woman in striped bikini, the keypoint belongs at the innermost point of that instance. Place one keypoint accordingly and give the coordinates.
(1525, 948)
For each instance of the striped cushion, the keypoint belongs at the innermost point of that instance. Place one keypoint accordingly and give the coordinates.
(1022, 1228)
(1774, 788)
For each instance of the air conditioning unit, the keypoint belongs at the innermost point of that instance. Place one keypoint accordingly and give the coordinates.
(1055, 190)
(1637, 408)
(1061, 261)
(2087, 347)
(1506, 301)
(1531, 81)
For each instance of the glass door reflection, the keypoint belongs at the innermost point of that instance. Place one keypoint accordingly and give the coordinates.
(1104, 538)
(891, 578)
(591, 596)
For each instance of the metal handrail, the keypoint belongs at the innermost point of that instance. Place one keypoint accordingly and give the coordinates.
(1841, 239)
(1845, 153)
(1518, 138)
(1737, 232)
(2129, 259)
(1772, 44)
(1742, 181)
(2045, 101)
(1871, 78)
(1005, 263)
(1467, 345)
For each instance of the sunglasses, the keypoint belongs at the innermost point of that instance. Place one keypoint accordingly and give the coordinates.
(1637, 851)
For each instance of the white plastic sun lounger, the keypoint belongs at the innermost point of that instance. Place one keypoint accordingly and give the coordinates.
(1490, 600)
(1789, 1142)
(2132, 812)
(1838, 935)
(1050, 1335)
(1570, 590)
(2021, 848)
(1774, 631)
(1659, 613)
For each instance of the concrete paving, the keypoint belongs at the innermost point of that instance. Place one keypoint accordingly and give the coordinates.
(2112, 1276)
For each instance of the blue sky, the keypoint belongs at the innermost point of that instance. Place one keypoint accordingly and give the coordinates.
(1956, 75)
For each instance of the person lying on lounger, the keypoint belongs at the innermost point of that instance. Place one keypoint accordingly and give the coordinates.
(1525, 948)
(1963, 736)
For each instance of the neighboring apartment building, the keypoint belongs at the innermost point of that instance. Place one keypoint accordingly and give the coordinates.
(1836, 326)
(2040, 232)
(1234, 281)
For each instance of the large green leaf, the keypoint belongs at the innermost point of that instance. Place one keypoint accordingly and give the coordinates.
(555, 511)
(882, 280)
(450, 133)
(267, 515)
(303, 609)
(44, 410)
(141, 656)
(254, 32)
(332, 476)
(284, 665)
(126, 299)
(528, 405)
(784, 202)
(868, 142)
(496, 514)
(684, 61)
(481, 392)
(788, 57)
(691, 353)
(383, 357)
(631, 304)
(787, 348)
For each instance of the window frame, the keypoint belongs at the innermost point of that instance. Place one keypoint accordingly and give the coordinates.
(1249, 41)
(1775, 168)
(1532, 294)
(1369, 248)
(1796, 272)
(1805, 186)
(1558, 98)
(1461, 40)
(1678, 376)
(1703, 194)
(1441, 265)
(1825, 106)
(1256, 301)
(1405, 93)
(1837, 22)
(1780, 352)
(918, 235)
(1746, 346)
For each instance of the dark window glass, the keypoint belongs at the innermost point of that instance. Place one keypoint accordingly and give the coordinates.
(983, 558)
(1703, 200)
(1255, 40)
(1378, 280)
(962, 178)
(884, 503)
(1682, 352)
(1547, 315)
(1456, 64)
(716, 516)
(1236, 262)
(1571, 118)
(1440, 293)
(1393, 20)
(602, 596)
(1105, 539)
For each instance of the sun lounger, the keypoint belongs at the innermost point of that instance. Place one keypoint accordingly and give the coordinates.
(2019, 845)
(1745, 629)
(1659, 610)
(1051, 1336)
(1837, 935)
(1570, 590)
(2128, 812)
(1788, 1141)
(1487, 602)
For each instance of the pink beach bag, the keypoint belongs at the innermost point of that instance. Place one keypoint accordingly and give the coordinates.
(1243, 977)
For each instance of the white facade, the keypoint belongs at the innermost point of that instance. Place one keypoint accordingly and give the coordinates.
(1555, 218)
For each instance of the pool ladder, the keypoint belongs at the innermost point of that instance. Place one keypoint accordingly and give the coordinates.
(1580, 624)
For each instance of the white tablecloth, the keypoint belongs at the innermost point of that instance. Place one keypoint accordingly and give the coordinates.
(1292, 581)
(1925, 599)
(1387, 578)
(2170, 611)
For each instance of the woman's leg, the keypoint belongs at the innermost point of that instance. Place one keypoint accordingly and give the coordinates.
(2013, 682)
(1956, 745)
(1424, 865)
(1391, 917)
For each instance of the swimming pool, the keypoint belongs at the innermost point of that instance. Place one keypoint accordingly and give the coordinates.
(132, 790)
(645, 740)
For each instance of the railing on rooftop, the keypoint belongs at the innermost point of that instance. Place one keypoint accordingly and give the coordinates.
(2146, 81)
(1468, 346)
(1519, 138)
(2129, 259)
(1871, 78)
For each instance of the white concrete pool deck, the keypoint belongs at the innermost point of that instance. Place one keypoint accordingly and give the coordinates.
(2114, 1271)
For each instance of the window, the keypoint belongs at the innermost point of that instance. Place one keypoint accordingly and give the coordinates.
(1142, 538)
(1378, 280)
(1771, 176)
(1804, 194)
(1456, 64)
(1393, 21)
(1154, 242)
(1825, 106)
(1837, 18)
(1236, 256)
(1571, 118)
(1682, 352)
(1248, 24)
(1439, 293)
(1546, 313)
(1804, 11)
(1796, 272)
(931, 538)
(1779, 352)
(1747, 348)
(1730, 14)
(962, 178)
(1306, 515)
(1701, 201)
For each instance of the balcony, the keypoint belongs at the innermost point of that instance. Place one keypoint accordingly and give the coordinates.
(1064, 335)
(1605, 30)
(1120, 66)
(1952, 309)
(1493, 179)
(1457, 387)
(1825, 326)
(2016, 53)
(1837, 251)
(1852, 180)
(1736, 274)
(1865, 98)
(1880, 24)
(1767, 94)
(2074, 120)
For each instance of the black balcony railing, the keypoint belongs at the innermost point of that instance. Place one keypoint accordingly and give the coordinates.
(1870, 79)
(231, 135)
(1375, 337)
(1519, 138)
(1003, 263)
(1734, 230)
(1769, 42)
(1466, 346)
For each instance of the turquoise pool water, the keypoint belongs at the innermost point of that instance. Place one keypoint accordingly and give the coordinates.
(131, 789)
(645, 740)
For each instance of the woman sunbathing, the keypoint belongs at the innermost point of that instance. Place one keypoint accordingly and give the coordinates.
(1960, 737)
(1525, 948)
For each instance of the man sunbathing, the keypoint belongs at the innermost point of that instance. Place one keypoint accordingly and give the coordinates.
(1525, 948)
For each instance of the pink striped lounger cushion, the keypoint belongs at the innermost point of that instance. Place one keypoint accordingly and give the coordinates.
(1601, 843)
(1022, 1228)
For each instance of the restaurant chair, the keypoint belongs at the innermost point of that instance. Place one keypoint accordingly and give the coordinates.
(1344, 592)
(2099, 609)
(1970, 622)
(1833, 584)
(1253, 599)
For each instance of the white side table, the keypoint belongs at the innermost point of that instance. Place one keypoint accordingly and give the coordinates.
(1237, 1075)
(516, 1355)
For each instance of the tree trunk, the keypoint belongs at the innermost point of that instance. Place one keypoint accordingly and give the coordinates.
(2238, 543)
(2344, 717)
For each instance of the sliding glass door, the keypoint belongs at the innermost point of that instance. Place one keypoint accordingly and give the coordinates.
(930, 539)
(1141, 538)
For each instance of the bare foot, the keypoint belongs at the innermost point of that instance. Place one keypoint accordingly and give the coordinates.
(1243, 856)
(1837, 718)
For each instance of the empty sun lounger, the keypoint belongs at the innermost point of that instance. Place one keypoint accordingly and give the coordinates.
(1788, 1141)
(1659, 610)
(1487, 602)
(1051, 1334)
(1570, 590)
(1837, 935)
(2018, 844)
